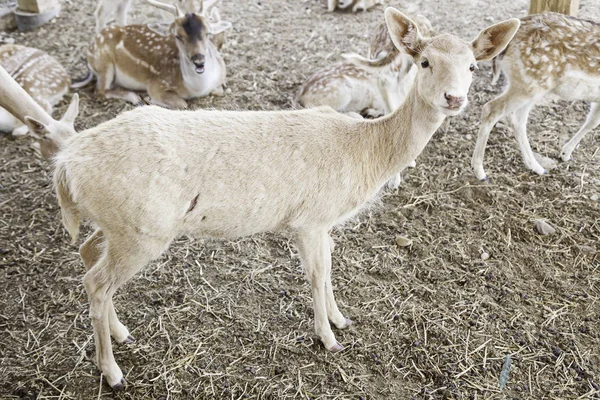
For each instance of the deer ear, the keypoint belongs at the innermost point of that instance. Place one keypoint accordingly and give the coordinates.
(491, 41)
(36, 128)
(403, 32)
(218, 27)
(72, 111)
(163, 29)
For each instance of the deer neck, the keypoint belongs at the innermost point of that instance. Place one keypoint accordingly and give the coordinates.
(200, 84)
(400, 137)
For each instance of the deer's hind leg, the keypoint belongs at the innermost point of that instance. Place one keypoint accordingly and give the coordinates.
(91, 251)
(591, 122)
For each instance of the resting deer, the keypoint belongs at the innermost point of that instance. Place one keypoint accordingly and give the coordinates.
(40, 74)
(357, 5)
(152, 174)
(551, 55)
(179, 64)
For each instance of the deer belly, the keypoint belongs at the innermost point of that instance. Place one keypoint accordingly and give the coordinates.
(575, 85)
(127, 82)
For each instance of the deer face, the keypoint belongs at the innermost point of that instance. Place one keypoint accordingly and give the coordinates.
(446, 63)
(192, 38)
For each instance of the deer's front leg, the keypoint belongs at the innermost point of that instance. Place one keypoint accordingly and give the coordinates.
(315, 255)
(165, 98)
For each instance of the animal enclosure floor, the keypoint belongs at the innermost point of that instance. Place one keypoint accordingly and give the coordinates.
(233, 320)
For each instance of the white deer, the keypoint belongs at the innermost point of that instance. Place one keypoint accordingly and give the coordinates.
(181, 63)
(151, 175)
(551, 55)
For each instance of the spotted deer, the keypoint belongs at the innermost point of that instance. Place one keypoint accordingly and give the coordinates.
(171, 64)
(152, 174)
(40, 74)
(357, 5)
(552, 55)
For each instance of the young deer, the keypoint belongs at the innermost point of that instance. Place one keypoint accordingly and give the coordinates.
(551, 54)
(180, 64)
(151, 175)
(40, 74)
(357, 5)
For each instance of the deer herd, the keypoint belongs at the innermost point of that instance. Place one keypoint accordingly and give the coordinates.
(154, 173)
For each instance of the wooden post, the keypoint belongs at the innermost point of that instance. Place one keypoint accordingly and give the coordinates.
(568, 7)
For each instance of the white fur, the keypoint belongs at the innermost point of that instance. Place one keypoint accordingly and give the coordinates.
(152, 174)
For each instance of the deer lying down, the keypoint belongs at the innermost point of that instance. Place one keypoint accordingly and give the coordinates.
(40, 74)
(19, 104)
(357, 5)
(151, 175)
(181, 64)
(551, 55)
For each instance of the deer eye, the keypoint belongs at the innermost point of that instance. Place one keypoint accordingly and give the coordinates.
(425, 64)
(472, 67)
(179, 38)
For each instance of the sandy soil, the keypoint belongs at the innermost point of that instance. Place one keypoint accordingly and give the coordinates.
(234, 319)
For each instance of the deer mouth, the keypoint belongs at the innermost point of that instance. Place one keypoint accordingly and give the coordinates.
(199, 68)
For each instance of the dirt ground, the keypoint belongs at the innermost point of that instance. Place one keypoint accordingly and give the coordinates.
(233, 320)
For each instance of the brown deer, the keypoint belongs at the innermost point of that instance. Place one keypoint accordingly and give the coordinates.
(172, 65)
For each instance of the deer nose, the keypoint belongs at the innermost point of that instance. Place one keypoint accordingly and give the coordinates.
(198, 60)
(453, 101)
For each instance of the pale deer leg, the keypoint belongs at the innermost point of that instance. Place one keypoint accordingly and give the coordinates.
(333, 313)
(91, 251)
(490, 115)
(313, 246)
(591, 122)
(122, 258)
(519, 121)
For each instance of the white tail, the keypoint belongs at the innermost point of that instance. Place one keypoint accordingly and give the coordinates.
(171, 62)
(551, 55)
(151, 175)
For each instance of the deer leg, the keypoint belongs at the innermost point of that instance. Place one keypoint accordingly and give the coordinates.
(122, 258)
(333, 313)
(165, 98)
(91, 251)
(124, 94)
(519, 121)
(492, 111)
(314, 252)
(331, 4)
(591, 122)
